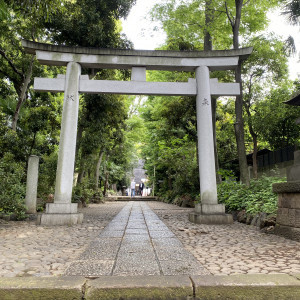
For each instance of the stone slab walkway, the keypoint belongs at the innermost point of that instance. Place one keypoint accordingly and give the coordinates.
(136, 242)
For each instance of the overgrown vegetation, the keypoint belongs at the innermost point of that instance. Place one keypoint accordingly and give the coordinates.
(258, 197)
(12, 187)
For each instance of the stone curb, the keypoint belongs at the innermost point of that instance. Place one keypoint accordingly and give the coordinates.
(46, 288)
(254, 286)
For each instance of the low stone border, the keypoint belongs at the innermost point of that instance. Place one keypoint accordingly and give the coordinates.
(256, 286)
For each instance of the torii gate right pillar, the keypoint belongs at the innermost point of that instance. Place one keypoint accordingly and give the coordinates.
(209, 211)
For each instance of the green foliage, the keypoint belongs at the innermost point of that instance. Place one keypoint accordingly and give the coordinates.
(85, 193)
(90, 23)
(254, 199)
(12, 188)
(184, 21)
(276, 120)
(47, 175)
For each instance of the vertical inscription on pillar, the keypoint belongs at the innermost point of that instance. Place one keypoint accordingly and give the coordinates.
(205, 102)
(70, 97)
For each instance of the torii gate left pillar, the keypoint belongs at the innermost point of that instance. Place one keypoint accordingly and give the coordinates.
(62, 211)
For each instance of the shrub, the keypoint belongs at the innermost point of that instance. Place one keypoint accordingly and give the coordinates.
(12, 190)
(254, 199)
(47, 175)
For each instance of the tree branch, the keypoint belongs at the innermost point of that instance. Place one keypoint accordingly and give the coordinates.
(3, 54)
(246, 2)
(228, 15)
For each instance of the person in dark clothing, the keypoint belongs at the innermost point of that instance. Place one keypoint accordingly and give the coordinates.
(142, 185)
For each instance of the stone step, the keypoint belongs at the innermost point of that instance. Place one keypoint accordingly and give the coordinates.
(255, 287)
(136, 198)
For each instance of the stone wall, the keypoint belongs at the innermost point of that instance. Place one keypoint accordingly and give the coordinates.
(288, 216)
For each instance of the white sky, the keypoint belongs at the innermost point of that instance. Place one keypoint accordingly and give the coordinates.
(139, 29)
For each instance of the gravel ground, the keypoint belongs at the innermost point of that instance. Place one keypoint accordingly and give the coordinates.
(231, 249)
(30, 250)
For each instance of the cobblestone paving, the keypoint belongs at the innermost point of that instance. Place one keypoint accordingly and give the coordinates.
(30, 250)
(231, 249)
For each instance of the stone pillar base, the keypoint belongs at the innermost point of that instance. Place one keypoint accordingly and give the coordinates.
(211, 219)
(61, 208)
(210, 214)
(210, 209)
(292, 233)
(59, 219)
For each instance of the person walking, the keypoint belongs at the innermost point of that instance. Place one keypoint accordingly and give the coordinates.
(132, 186)
(142, 185)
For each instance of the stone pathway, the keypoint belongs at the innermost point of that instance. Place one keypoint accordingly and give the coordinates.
(136, 242)
(231, 249)
(30, 250)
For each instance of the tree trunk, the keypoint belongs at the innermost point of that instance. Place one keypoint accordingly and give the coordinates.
(236, 27)
(106, 177)
(105, 184)
(253, 135)
(98, 170)
(78, 140)
(239, 131)
(22, 95)
(213, 110)
(239, 124)
(208, 20)
(254, 156)
(81, 172)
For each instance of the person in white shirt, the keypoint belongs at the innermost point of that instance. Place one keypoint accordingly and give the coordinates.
(132, 186)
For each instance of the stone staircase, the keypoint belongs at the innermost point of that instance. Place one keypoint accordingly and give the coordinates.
(136, 198)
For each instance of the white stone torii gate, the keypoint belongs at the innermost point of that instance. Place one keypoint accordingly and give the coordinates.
(62, 211)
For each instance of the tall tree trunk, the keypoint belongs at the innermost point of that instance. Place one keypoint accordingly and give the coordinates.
(105, 184)
(254, 156)
(208, 19)
(239, 123)
(81, 172)
(214, 110)
(254, 139)
(97, 171)
(239, 131)
(253, 134)
(106, 173)
(78, 140)
(22, 94)
(236, 27)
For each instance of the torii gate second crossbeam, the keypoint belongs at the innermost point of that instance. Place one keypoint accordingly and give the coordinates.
(62, 211)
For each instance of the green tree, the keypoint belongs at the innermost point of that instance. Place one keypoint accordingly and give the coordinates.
(275, 120)
(267, 66)
(90, 23)
(226, 22)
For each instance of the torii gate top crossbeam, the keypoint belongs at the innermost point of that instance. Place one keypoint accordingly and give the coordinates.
(126, 59)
